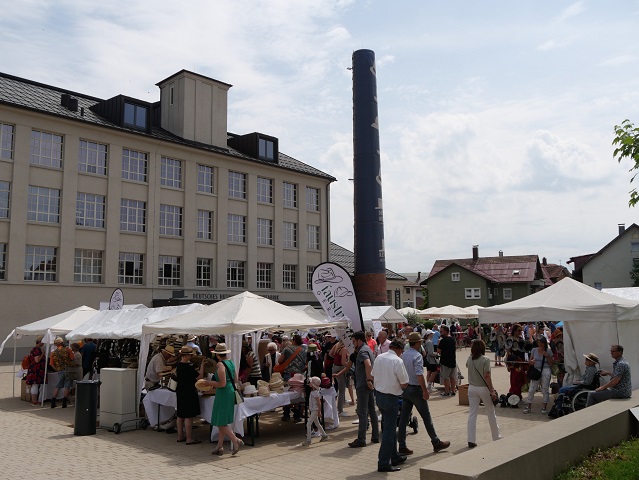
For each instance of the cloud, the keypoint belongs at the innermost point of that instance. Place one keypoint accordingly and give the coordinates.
(570, 11)
(618, 61)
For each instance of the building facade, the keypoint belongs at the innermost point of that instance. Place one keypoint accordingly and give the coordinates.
(157, 199)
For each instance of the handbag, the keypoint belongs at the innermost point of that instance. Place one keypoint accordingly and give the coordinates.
(280, 367)
(238, 396)
(533, 373)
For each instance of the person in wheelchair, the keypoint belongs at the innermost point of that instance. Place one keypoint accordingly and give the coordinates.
(588, 379)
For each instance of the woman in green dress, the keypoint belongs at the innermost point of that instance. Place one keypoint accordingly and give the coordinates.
(224, 405)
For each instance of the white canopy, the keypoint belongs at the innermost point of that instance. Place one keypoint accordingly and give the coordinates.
(384, 314)
(117, 324)
(409, 311)
(450, 311)
(593, 321)
(312, 312)
(631, 293)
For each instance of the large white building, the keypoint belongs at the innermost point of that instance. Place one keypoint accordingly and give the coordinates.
(157, 199)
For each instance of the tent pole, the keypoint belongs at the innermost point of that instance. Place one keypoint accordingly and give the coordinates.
(14, 366)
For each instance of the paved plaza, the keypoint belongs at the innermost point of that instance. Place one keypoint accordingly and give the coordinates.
(40, 441)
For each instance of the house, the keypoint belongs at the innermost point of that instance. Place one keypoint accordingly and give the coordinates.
(394, 281)
(157, 199)
(484, 281)
(554, 272)
(610, 267)
(412, 293)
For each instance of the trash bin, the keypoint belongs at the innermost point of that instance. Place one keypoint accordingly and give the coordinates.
(86, 407)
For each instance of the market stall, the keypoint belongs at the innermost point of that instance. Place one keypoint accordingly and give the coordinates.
(592, 321)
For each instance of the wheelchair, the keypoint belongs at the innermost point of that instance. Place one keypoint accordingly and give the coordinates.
(570, 402)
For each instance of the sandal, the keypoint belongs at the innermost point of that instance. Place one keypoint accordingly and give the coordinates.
(218, 451)
(193, 442)
(239, 444)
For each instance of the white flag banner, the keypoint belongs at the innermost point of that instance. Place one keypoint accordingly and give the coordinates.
(333, 287)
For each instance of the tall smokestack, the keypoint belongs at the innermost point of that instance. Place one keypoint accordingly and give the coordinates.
(370, 263)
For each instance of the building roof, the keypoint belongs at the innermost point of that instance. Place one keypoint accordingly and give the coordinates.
(502, 269)
(346, 259)
(413, 279)
(579, 261)
(27, 94)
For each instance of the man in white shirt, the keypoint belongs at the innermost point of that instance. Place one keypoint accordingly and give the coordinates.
(157, 363)
(390, 379)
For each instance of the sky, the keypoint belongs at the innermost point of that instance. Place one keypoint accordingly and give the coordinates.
(496, 117)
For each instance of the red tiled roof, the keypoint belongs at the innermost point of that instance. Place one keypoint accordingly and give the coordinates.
(504, 269)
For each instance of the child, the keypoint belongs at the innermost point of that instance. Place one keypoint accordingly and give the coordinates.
(314, 403)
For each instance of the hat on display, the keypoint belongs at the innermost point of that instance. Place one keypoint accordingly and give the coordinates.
(275, 376)
(58, 341)
(192, 338)
(220, 349)
(186, 351)
(263, 392)
(312, 347)
(414, 337)
(513, 400)
(168, 370)
(262, 383)
(592, 357)
(249, 390)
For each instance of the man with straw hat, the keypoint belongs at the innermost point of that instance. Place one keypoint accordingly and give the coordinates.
(157, 363)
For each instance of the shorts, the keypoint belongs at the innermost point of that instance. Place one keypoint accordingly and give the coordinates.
(64, 381)
(447, 373)
(431, 367)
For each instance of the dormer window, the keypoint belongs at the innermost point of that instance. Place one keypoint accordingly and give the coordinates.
(266, 149)
(135, 115)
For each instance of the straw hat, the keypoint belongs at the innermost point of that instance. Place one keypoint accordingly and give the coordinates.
(263, 392)
(275, 376)
(221, 349)
(249, 390)
(262, 383)
(414, 337)
(58, 341)
(168, 370)
(202, 386)
(186, 351)
(169, 349)
(39, 339)
(592, 357)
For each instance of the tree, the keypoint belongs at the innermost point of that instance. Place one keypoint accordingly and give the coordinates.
(626, 142)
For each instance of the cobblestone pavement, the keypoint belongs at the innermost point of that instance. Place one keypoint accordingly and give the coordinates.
(37, 440)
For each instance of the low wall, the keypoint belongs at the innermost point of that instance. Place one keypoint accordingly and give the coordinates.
(542, 452)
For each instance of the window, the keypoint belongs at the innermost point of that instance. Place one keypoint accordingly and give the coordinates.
(93, 157)
(312, 199)
(135, 115)
(290, 195)
(131, 268)
(89, 210)
(289, 277)
(134, 165)
(472, 293)
(6, 141)
(407, 290)
(170, 220)
(204, 224)
(264, 231)
(290, 235)
(455, 276)
(266, 149)
(168, 270)
(264, 275)
(170, 172)
(3, 261)
(236, 229)
(598, 285)
(46, 149)
(87, 267)
(132, 216)
(203, 272)
(313, 234)
(40, 264)
(309, 277)
(5, 195)
(634, 247)
(508, 293)
(264, 190)
(204, 179)
(237, 185)
(43, 205)
(235, 274)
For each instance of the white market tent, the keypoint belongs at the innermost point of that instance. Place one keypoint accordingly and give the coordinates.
(409, 311)
(630, 293)
(234, 316)
(450, 311)
(593, 321)
(312, 312)
(118, 324)
(384, 314)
